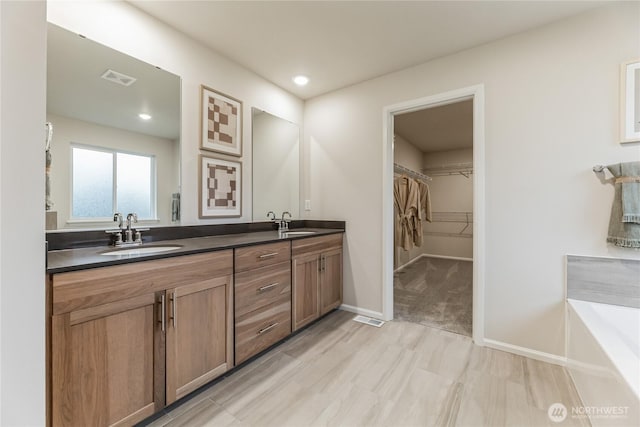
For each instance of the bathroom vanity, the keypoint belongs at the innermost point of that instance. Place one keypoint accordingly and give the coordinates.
(131, 330)
(134, 333)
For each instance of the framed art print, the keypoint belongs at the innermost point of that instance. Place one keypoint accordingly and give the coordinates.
(220, 188)
(221, 122)
(630, 102)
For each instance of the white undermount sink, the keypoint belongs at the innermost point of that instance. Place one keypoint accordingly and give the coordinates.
(297, 233)
(142, 250)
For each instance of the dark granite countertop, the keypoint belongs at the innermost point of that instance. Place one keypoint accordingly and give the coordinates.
(64, 260)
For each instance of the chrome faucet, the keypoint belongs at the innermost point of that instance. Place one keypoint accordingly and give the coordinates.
(272, 217)
(284, 224)
(128, 233)
(126, 236)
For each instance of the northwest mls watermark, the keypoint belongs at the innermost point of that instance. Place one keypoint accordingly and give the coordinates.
(558, 412)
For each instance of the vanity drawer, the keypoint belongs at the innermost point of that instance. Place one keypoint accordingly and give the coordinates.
(259, 329)
(261, 286)
(262, 255)
(89, 288)
(316, 244)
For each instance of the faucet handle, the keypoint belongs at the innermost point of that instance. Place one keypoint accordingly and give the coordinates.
(116, 237)
(117, 217)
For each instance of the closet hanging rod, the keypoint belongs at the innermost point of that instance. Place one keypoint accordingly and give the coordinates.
(413, 174)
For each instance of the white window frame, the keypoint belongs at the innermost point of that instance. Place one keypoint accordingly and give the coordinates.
(114, 193)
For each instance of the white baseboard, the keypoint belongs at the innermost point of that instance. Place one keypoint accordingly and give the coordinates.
(363, 311)
(457, 258)
(497, 345)
(526, 352)
(431, 256)
(408, 264)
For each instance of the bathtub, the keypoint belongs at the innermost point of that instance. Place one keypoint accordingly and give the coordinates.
(603, 359)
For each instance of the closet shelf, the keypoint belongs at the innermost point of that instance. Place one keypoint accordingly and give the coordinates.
(465, 218)
(410, 173)
(462, 217)
(443, 234)
(464, 169)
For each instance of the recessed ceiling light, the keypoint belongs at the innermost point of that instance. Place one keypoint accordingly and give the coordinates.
(144, 116)
(301, 80)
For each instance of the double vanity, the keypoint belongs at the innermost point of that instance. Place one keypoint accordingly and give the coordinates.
(133, 330)
(137, 325)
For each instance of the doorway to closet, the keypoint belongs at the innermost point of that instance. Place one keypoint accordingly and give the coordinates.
(438, 278)
(433, 216)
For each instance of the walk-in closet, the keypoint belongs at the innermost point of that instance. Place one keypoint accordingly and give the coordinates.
(433, 217)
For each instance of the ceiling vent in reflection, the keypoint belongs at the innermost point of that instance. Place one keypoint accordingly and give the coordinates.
(116, 77)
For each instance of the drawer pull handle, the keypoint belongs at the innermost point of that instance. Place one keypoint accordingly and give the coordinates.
(265, 256)
(268, 328)
(264, 288)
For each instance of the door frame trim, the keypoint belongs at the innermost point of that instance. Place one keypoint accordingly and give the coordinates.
(476, 93)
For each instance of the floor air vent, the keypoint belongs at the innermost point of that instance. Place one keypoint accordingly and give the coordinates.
(369, 321)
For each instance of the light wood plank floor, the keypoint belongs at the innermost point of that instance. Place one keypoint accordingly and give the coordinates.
(342, 373)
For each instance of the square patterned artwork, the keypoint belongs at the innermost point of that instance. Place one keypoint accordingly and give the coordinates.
(221, 123)
(220, 188)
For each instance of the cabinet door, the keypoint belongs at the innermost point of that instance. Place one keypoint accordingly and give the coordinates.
(330, 280)
(199, 334)
(306, 306)
(104, 360)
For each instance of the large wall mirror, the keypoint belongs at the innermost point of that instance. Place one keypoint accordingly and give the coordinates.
(115, 145)
(276, 165)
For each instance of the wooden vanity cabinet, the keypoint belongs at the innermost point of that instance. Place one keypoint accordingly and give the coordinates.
(199, 334)
(262, 297)
(330, 279)
(316, 277)
(104, 359)
(128, 339)
(306, 281)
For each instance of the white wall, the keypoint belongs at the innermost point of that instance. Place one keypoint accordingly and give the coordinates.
(449, 193)
(22, 118)
(125, 28)
(69, 131)
(407, 154)
(551, 99)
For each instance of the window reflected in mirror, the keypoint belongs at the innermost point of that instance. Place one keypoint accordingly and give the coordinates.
(106, 181)
(116, 135)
